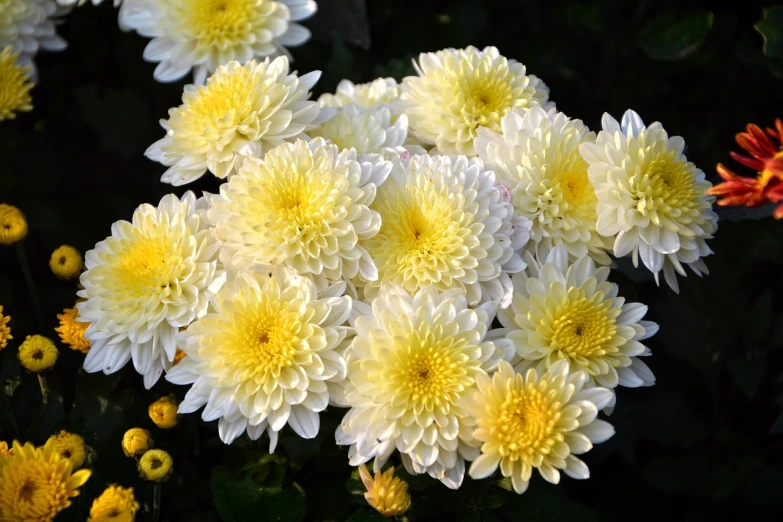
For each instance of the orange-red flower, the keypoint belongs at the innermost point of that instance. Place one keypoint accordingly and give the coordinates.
(765, 155)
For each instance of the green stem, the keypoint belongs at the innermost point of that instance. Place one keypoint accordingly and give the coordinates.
(44, 401)
(28, 277)
(156, 502)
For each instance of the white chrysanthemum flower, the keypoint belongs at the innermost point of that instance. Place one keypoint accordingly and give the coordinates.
(536, 421)
(79, 3)
(266, 355)
(260, 106)
(651, 200)
(204, 34)
(305, 206)
(445, 223)
(570, 312)
(148, 279)
(381, 91)
(537, 157)
(28, 26)
(412, 360)
(369, 131)
(459, 90)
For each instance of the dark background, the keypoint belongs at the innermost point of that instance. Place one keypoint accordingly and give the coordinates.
(703, 444)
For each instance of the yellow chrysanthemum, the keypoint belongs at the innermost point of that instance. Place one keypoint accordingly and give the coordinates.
(4, 450)
(13, 225)
(155, 465)
(536, 421)
(37, 483)
(116, 504)
(261, 105)
(66, 262)
(459, 90)
(5, 330)
(163, 412)
(37, 353)
(385, 492)
(70, 446)
(305, 206)
(15, 86)
(136, 442)
(72, 331)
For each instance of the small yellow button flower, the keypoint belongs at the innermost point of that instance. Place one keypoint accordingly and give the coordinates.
(66, 263)
(163, 412)
(116, 504)
(37, 353)
(15, 85)
(70, 446)
(5, 330)
(136, 442)
(13, 225)
(385, 492)
(71, 330)
(155, 465)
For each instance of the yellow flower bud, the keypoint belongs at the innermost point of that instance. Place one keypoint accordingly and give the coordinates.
(13, 225)
(70, 446)
(116, 504)
(66, 262)
(136, 442)
(155, 465)
(5, 330)
(163, 412)
(37, 353)
(72, 331)
(385, 492)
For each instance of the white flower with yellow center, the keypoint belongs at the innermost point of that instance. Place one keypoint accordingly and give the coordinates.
(651, 200)
(536, 156)
(570, 312)
(369, 131)
(244, 110)
(413, 359)
(266, 355)
(29, 26)
(445, 223)
(305, 206)
(381, 91)
(204, 34)
(458, 91)
(536, 420)
(144, 282)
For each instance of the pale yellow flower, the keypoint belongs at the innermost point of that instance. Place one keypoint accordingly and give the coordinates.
(15, 86)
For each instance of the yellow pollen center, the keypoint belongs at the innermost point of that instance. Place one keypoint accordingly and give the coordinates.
(487, 100)
(582, 328)
(222, 21)
(147, 263)
(577, 189)
(667, 185)
(526, 423)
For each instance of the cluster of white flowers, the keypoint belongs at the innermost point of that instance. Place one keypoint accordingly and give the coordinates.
(434, 256)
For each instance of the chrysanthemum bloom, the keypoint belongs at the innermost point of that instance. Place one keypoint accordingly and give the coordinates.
(571, 312)
(156, 465)
(37, 483)
(261, 105)
(37, 353)
(146, 280)
(28, 26)
(536, 156)
(163, 412)
(4, 450)
(445, 223)
(205, 34)
(66, 262)
(305, 206)
(765, 157)
(116, 504)
(385, 492)
(411, 361)
(72, 331)
(651, 200)
(381, 91)
(15, 85)
(459, 90)
(366, 130)
(13, 225)
(536, 421)
(70, 446)
(268, 355)
(5, 330)
(136, 442)
(79, 3)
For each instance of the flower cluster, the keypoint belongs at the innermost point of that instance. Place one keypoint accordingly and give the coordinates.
(433, 256)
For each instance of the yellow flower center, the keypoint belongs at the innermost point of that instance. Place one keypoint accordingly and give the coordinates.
(487, 98)
(14, 86)
(146, 263)
(525, 423)
(666, 186)
(582, 327)
(577, 189)
(26, 491)
(224, 23)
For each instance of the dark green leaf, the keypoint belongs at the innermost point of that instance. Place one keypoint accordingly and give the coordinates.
(674, 37)
(771, 28)
(236, 499)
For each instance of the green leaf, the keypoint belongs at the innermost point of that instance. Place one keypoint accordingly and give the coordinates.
(670, 37)
(771, 29)
(748, 374)
(235, 499)
(367, 515)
